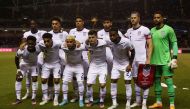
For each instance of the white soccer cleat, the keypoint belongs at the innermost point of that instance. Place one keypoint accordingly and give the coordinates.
(86, 100)
(25, 96)
(144, 106)
(128, 107)
(113, 106)
(43, 102)
(55, 103)
(135, 104)
(74, 100)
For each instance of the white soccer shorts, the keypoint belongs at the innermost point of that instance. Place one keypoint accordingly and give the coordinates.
(47, 68)
(116, 72)
(26, 68)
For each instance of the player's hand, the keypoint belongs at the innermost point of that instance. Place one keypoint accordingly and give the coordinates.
(21, 47)
(19, 74)
(173, 64)
(18, 71)
(128, 68)
(78, 44)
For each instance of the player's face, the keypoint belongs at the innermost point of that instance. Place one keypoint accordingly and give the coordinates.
(79, 23)
(157, 19)
(113, 36)
(70, 44)
(48, 42)
(107, 24)
(135, 19)
(92, 39)
(56, 26)
(33, 24)
(31, 45)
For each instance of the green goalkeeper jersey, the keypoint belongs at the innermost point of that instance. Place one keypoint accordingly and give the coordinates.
(162, 39)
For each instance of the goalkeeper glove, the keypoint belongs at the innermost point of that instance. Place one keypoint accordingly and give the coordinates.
(173, 63)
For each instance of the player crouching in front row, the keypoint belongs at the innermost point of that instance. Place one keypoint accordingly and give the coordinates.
(28, 64)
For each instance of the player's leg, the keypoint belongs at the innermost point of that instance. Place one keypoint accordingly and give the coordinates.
(67, 77)
(115, 75)
(157, 88)
(44, 78)
(109, 59)
(28, 83)
(102, 80)
(127, 78)
(18, 84)
(56, 76)
(86, 68)
(168, 73)
(34, 75)
(79, 72)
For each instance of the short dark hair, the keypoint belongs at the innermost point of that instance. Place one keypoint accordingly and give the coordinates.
(159, 12)
(57, 18)
(107, 18)
(136, 12)
(92, 32)
(79, 17)
(31, 38)
(47, 35)
(114, 29)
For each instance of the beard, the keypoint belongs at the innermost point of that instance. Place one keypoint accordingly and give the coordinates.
(31, 49)
(72, 47)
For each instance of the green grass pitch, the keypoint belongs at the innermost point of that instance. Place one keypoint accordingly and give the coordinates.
(7, 88)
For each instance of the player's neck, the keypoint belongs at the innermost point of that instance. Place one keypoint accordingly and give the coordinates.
(137, 26)
(80, 28)
(160, 26)
(56, 31)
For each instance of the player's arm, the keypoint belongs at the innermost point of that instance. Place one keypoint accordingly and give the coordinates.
(149, 50)
(17, 62)
(131, 58)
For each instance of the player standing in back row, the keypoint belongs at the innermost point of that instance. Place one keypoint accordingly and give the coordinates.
(140, 37)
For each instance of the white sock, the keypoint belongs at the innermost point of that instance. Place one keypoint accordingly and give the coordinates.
(145, 95)
(114, 93)
(81, 90)
(45, 91)
(28, 83)
(90, 93)
(65, 90)
(138, 93)
(18, 86)
(34, 89)
(102, 94)
(75, 88)
(56, 91)
(128, 93)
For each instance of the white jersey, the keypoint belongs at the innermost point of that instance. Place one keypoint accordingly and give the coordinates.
(138, 39)
(120, 52)
(51, 55)
(59, 37)
(80, 36)
(28, 57)
(102, 34)
(74, 57)
(38, 35)
(98, 53)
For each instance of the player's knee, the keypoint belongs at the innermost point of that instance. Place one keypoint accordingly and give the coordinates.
(19, 77)
(56, 80)
(127, 81)
(114, 80)
(34, 79)
(44, 81)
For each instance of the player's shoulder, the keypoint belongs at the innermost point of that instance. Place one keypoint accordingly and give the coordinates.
(101, 42)
(73, 30)
(51, 32)
(168, 27)
(144, 28)
(101, 31)
(85, 30)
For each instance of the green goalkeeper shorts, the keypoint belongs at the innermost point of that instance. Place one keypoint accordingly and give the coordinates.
(163, 70)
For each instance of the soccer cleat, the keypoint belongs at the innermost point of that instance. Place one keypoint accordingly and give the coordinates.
(43, 102)
(74, 100)
(128, 107)
(86, 100)
(135, 104)
(25, 96)
(64, 102)
(16, 102)
(155, 105)
(101, 105)
(81, 103)
(113, 106)
(172, 107)
(89, 104)
(33, 102)
(144, 106)
(55, 103)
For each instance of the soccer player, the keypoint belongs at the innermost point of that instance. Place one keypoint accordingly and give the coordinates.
(81, 35)
(74, 66)
(50, 48)
(34, 31)
(123, 55)
(97, 66)
(27, 64)
(164, 40)
(140, 37)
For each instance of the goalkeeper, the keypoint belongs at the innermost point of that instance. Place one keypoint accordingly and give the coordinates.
(164, 40)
